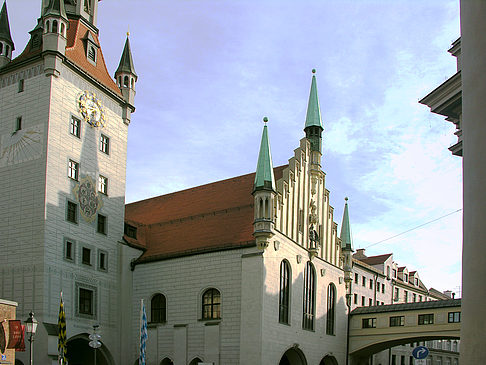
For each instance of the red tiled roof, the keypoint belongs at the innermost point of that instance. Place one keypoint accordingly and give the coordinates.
(375, 260)
(76, 52)
(208, 217)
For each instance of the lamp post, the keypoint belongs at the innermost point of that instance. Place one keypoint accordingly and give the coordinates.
(30, 328)
(95, 340)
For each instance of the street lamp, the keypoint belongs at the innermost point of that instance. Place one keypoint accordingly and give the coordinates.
(30, 328)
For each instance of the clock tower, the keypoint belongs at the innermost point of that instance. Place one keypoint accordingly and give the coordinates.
(63, 147)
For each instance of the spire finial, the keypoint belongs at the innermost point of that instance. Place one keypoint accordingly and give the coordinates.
(128, 31)
(313, 70)
(265, 120)
(346, 199)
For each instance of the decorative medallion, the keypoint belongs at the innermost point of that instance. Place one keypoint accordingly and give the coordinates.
(91, 109)
(87, 196)
(20, 146)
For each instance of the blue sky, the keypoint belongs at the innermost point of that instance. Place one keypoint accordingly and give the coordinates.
(209, 70)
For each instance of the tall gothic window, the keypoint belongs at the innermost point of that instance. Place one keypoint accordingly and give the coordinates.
(284, 297)
(331, 309)
(158, 309)
(309, 297)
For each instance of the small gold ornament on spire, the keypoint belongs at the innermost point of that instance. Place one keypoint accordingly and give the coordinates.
(128, 31)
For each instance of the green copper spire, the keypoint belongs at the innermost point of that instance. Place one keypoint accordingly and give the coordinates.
(346, 240)
(313, 118)
(5, 26)
(126, 61)
(56, 8)
(313, 124)
(264, 173)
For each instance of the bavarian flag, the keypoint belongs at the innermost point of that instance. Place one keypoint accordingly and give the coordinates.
(61, 340)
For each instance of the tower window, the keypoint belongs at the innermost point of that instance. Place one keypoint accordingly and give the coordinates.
(75, 127)
(85, 301)
(104, 144)
(102, 260)
(21, 85)
(73, 170)
(132, 83)
(125, 81)
(18, 124)
(86, 256)
(1, 48)
(69, 250)
(35, 41)
(47, 26)
(62, 29)
(54, 26)
(101, 226)
(7, 49)
(72, 212)
(103, 185)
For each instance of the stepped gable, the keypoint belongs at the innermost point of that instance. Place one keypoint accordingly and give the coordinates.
(76, 53)
(206, 218)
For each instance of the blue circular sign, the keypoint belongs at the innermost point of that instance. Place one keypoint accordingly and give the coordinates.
(420, 352)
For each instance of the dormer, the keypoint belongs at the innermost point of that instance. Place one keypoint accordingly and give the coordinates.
(91, 47)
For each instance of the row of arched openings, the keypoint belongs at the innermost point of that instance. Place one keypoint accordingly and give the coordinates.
(309, 298)
(210, 306)
(54, 27)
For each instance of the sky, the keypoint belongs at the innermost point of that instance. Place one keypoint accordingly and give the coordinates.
(210, 70)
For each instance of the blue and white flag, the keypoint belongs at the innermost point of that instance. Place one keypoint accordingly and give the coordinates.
(143, 333)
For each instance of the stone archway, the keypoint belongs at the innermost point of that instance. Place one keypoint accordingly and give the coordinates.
(166, 361)
(195, 361)
(293, 356)
(79, 352)
(328, 360)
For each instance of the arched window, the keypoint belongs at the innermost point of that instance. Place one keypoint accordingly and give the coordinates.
(158, 309)
(284, 297)
(211, 304)
(309, 297)
(7, 49)
(54, 26)
(331, 309)
(119, 81)
(195, 361)
(133, 82)
(62, 29)
(125, 81)
(1, 47)
(47, 27)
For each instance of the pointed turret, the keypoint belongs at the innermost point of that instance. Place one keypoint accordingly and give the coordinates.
(55, 8)
(346, 239)
(126, 77)
(313, 123)
(264, 193)
(347, 248)
(6, 42)
(264, 173)
(54, 37)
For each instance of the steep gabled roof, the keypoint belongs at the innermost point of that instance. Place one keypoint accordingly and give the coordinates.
(76, 34)
(206, 218)
(376, 260)
(126, 61)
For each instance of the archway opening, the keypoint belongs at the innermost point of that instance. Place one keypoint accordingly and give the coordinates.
(80, 353)
(166, 361)
(328, 360)
(293, 356)
(195, 361)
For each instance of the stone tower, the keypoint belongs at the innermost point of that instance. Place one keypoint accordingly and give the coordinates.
(63, 140)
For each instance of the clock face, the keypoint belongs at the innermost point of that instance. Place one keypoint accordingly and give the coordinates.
(91, 109)
(20, 146)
